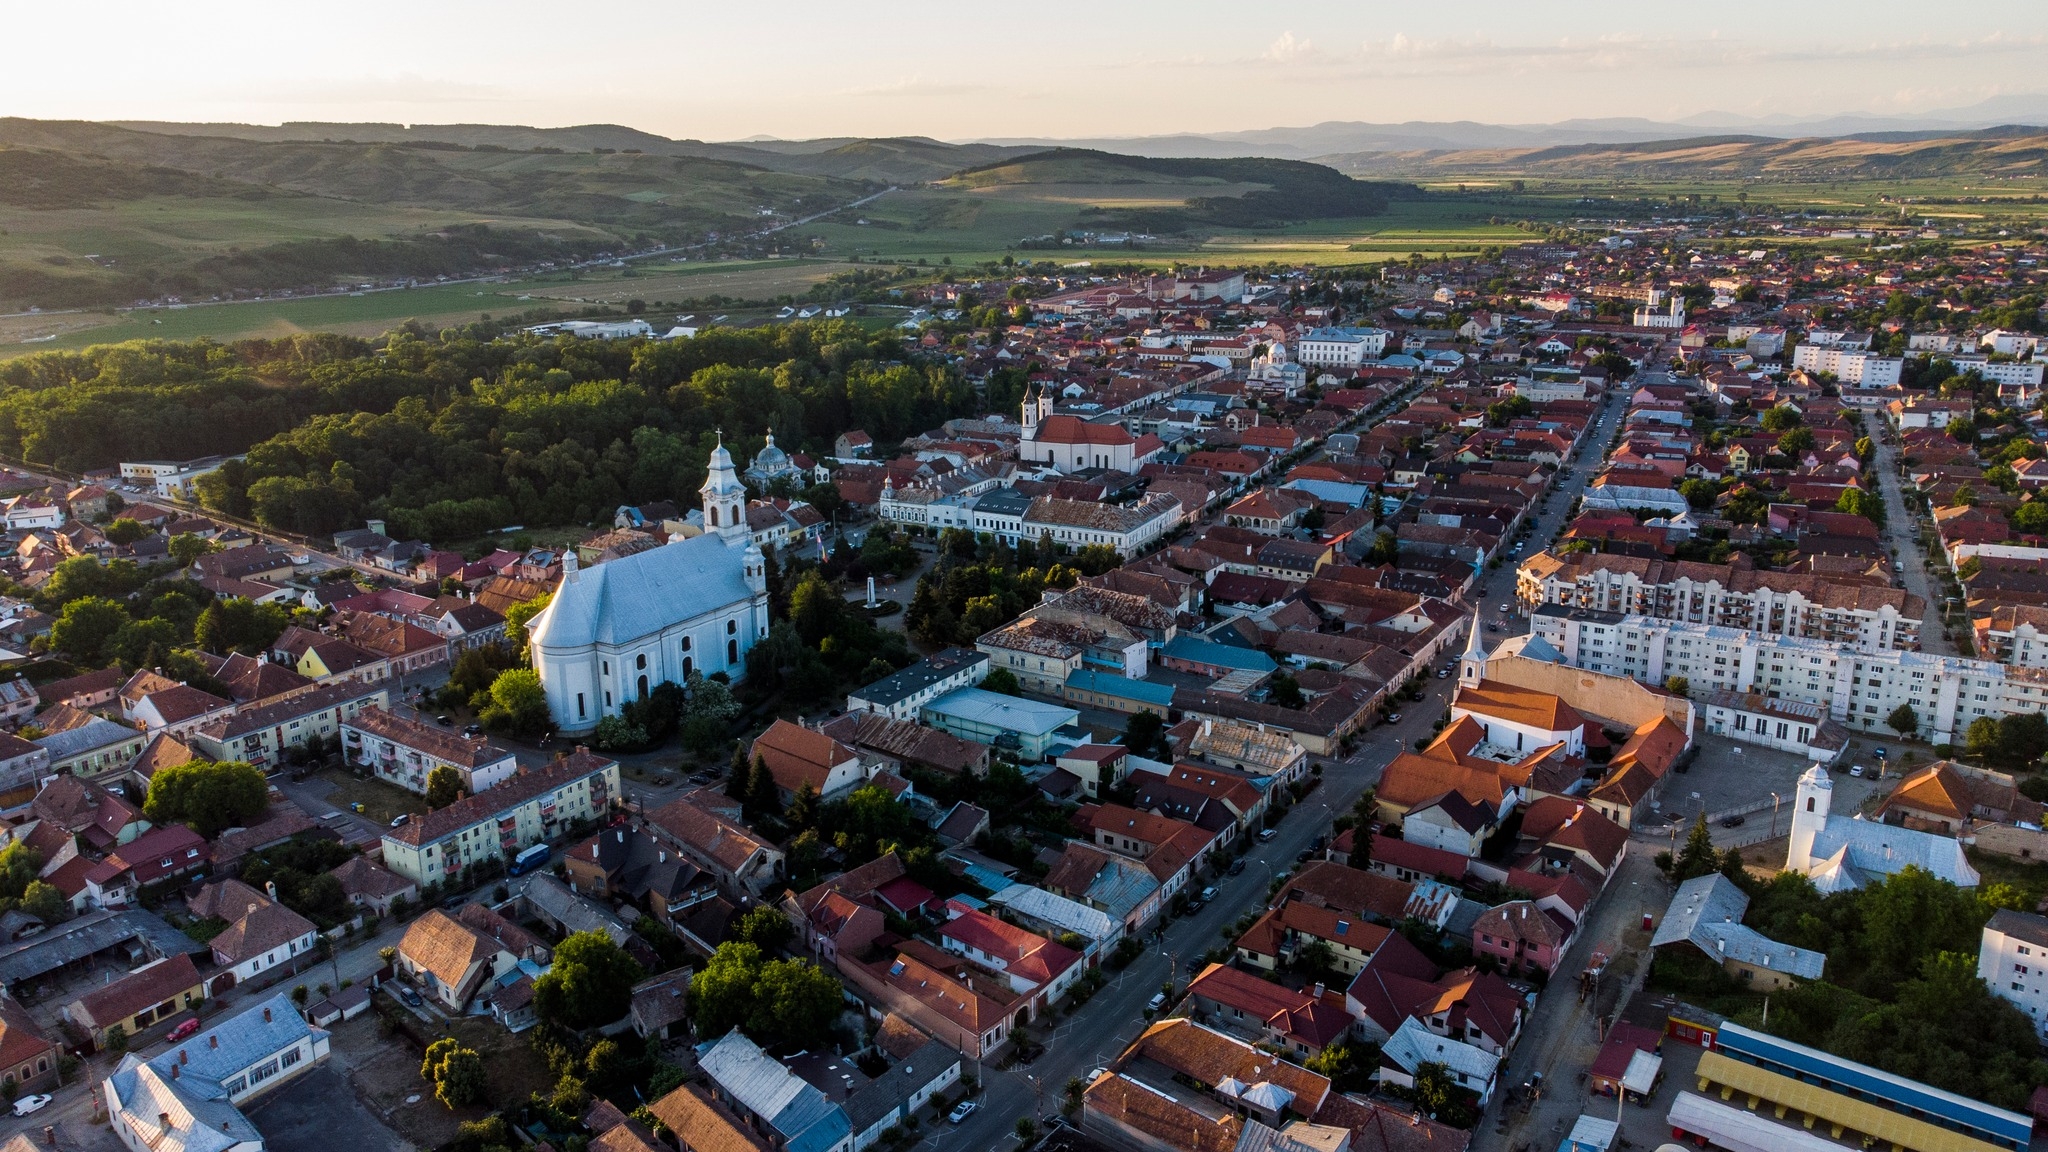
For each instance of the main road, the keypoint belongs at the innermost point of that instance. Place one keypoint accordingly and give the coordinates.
(1103, 1027)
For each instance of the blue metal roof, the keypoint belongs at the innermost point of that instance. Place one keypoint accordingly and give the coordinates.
(1813, 1065)
(1202, 651)
(1109, 684)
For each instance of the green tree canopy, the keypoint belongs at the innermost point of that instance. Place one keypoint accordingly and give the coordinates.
(444, 787)
(209, 795)
(86, 627)
(518, 705)
(590, 983)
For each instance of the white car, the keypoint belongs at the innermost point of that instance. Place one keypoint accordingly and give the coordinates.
(962, 1111)
(35, 1103)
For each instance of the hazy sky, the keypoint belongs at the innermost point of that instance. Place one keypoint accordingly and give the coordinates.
(963, 70)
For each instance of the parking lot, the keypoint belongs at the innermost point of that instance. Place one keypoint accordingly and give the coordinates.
(313, 1111)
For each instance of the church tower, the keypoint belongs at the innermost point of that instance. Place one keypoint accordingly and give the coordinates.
(725, 498)
(1809, 816)
(1030, 409)
(1472, 665)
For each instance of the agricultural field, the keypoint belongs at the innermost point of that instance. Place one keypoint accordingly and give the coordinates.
(376, 312)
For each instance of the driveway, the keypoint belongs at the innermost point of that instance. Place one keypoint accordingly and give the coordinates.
(311, 1113)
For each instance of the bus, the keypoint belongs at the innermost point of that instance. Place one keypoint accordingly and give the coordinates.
(532, 858)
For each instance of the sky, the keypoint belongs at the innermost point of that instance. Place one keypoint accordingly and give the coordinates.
(961, 70)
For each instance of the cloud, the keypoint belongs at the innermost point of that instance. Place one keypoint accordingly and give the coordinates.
(1286, 49)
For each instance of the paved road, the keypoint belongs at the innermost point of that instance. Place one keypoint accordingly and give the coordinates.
(1109, 1022)
(1898, 530)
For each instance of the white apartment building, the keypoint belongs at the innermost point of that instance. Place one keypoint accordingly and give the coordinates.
(2012, 960)
(1852, 366)
(1340, 347)
(1867, 617)
(2009, 372)
(1858, 689)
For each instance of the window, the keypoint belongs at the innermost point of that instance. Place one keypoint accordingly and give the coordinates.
(732, 627)
(579, 705)
(732, 651)
(640, 661)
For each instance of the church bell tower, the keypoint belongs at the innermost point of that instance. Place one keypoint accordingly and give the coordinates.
(725, 498)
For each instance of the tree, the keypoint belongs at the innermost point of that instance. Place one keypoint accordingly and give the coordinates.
(1780, 419)
(762, 795)
(186, 548)
(124, 531)
(1144, 733)
(722, 994)
(1433, 1087)
(1904, 721)
(766, 928)
(86, 626)
(239, 625)
(591, 983)
(1963, 429)
(816, 609)
(795, 1002)
(45, 902)
(1796, 441)
(1678, 686)
(1316, 960)
(2031, 518)
(1286, 691)
(1698, 857)
(1965, 497)
(519, 615)
(803, 807)
(208, 795)
(1699, 493)
(1385, 549)
(444, 787)
(456, 1072)
(518, 705)
(1002, 680)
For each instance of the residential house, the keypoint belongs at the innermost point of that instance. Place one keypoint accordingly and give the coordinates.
(144, 998)
(405, 751)
(370, 885)
(797, 756)
(1522, 936)
(450, 960)
(1037, 968)
(190, 1096)
(497, 825)
(261, 932)
(1705, 916)
(780, 1108)
(157, 855)
(705, 827)
(1301, 1022)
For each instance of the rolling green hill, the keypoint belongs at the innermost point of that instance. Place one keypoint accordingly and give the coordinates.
(95, 214)
(1188, 194)
(2013, 151)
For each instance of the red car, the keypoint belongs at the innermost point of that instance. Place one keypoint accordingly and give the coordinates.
(184, 1030)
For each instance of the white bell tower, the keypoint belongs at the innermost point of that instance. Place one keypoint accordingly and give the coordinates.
(725, 498)
(1472, 665)
(1809, 815)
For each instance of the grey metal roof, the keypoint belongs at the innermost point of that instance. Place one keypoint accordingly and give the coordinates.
(625, 599)
(93, 932)
(1707, 911)
(2025, 926)
(574, 913)
(234, 1044)
(887, 1093)
(805, 1118)
(100, 733)
(1003, 502)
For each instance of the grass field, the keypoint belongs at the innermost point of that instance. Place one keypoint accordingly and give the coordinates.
(374, 313)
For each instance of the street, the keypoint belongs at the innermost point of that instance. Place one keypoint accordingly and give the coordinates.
(1109, 1022)
(1899, 526)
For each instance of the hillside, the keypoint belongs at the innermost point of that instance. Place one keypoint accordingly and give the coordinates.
(93, 214)
(1176, 195)
(2009, 151)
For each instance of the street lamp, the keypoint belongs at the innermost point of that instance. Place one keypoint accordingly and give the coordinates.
(1775, 800)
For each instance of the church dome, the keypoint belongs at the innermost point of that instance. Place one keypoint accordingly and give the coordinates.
(771, 459)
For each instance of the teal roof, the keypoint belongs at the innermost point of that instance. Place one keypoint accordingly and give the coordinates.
(1202, 651)
(1110, 684)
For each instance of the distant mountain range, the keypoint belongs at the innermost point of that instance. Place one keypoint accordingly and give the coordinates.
(1355, 146)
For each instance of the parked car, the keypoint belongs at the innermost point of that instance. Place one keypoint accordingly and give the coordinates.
(409, 996)
(443, 721)
(401, 820)
(1267, 834)
(1856, 770)
(1734, 821)
(1394, 719)
(1236, 866)
(35, 1103)
(1157, 1002)
(184, 1030)
(962, 1111)
(473, 730)
(1208, 894)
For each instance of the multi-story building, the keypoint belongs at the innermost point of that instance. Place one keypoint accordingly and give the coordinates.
(1857, 688)
(497, 825)
(900, 695)
(1868, 617)
(262, 731)
(402, 751)
(191, 1096)
(2012, 960)
(1340, 347)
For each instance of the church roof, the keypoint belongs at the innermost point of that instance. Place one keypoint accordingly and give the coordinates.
(644, 593)
(1848, 851)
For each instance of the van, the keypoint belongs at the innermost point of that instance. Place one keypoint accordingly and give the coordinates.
(527, 861)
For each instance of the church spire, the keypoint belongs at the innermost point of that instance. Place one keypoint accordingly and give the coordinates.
(725, 497)
(1472, 666)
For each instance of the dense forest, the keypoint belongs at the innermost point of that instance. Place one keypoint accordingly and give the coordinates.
(449, 435)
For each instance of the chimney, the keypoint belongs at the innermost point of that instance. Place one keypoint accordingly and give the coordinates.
(569, 566)
(266, 1013)
(270, 887)
(163, 1119)
(213, 1040)
(181, 1056)
(1318, 992)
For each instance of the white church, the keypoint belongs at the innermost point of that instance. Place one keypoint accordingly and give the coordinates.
(1840, 853)
(614, 631)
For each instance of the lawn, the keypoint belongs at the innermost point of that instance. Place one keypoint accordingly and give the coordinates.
(381, 802)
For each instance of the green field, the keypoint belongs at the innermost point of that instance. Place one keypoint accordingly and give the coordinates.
(373, 313)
